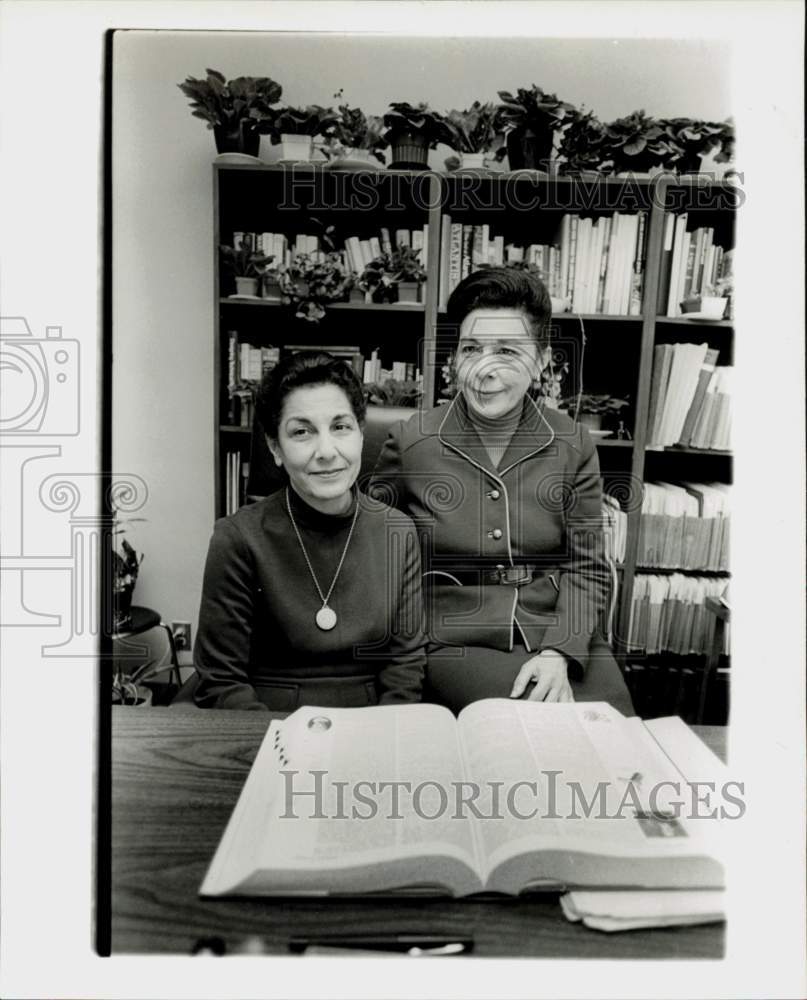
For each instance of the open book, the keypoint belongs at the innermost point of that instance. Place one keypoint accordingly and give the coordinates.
(510, 796)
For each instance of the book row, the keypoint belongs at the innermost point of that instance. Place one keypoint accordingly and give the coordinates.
(668, 614)
(690, 402)
(615, 529)
(596, 266)
(236, 474)
(247, 364)
(692, 264)
(355, 255)
(684, 526)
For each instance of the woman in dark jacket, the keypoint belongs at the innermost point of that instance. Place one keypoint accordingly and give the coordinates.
(505, 494)
(313, 595)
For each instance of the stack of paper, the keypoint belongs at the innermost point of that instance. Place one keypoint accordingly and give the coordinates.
(623, 910)
(632, 910)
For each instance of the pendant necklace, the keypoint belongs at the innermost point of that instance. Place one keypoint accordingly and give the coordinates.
(325, 617)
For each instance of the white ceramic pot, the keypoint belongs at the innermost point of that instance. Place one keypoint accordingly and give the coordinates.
(713, 306)
(246, 286)
(296, 148)
(473, 161)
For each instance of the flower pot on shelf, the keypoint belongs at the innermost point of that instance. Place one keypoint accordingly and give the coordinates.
(409, 152)
(705, 306)
(241, 139)
(408, 291)
(529, 150)
(593, 421)
(246, 286)
(271, 290)
(296, 148)
(473, 161)
(357, 296)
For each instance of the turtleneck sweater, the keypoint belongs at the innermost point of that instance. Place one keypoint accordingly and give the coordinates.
(496, 434)
(257, 634)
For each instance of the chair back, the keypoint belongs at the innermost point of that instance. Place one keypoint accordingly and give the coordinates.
(265, 477)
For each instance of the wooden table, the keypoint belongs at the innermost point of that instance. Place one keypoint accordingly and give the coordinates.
(175, 779)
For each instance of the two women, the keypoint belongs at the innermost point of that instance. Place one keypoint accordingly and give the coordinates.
(505, 496)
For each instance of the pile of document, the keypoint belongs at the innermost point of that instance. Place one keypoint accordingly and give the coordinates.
(684, 526)
(668, 613)
(634, 909)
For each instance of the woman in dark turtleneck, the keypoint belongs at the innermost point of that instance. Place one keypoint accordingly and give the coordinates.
(311, 596)
(506, 494)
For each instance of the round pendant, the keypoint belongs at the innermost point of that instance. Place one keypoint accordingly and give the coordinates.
(326, 618)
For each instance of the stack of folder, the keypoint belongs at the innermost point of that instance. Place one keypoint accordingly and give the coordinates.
(668, 614)
(684, 526)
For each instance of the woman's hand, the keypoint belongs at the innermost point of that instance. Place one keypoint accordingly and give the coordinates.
(549, 671)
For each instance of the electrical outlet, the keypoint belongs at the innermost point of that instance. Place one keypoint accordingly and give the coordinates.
(182, 634)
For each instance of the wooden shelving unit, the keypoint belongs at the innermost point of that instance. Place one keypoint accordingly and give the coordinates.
(619, 349)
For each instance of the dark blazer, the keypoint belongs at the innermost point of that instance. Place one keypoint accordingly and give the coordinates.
(540, 510)
(257, 643)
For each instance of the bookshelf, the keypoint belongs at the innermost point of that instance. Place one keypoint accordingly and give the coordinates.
(618, 355)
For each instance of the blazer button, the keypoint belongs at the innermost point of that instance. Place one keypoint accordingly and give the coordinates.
(494, 494)
(496, 533)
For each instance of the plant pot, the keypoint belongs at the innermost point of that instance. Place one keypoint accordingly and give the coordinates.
(473, 161)
(409, 152)
(296, 148)
(357, 296)
(271, 290)
(705, 306)
(409, 291)
(122, 608)
(529, 150)
(242, 139)
(591, 420)
(134, 696)
(690, 163)
(246, 286)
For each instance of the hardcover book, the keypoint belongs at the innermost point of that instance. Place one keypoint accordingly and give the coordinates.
(509, 797)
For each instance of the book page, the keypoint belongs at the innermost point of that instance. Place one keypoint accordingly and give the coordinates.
(575, 762)
(349, 796)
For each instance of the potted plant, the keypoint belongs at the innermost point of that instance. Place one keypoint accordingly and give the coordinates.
(692, 140)
(357, 139)
(294, 129)
(375, 281)
(637, 143)
(589, 410)
(581, 144)
(712, 302)
(126, 565)
(408, 273)
(477, 133)
(310, 284)
(530, 119)
(233, 109)
(412, 130)
(247, 266)
(394, 392)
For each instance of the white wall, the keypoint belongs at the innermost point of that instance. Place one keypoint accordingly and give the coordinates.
(163, 426)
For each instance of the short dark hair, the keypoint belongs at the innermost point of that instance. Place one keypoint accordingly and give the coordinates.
(305, 368)
(503, 288)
